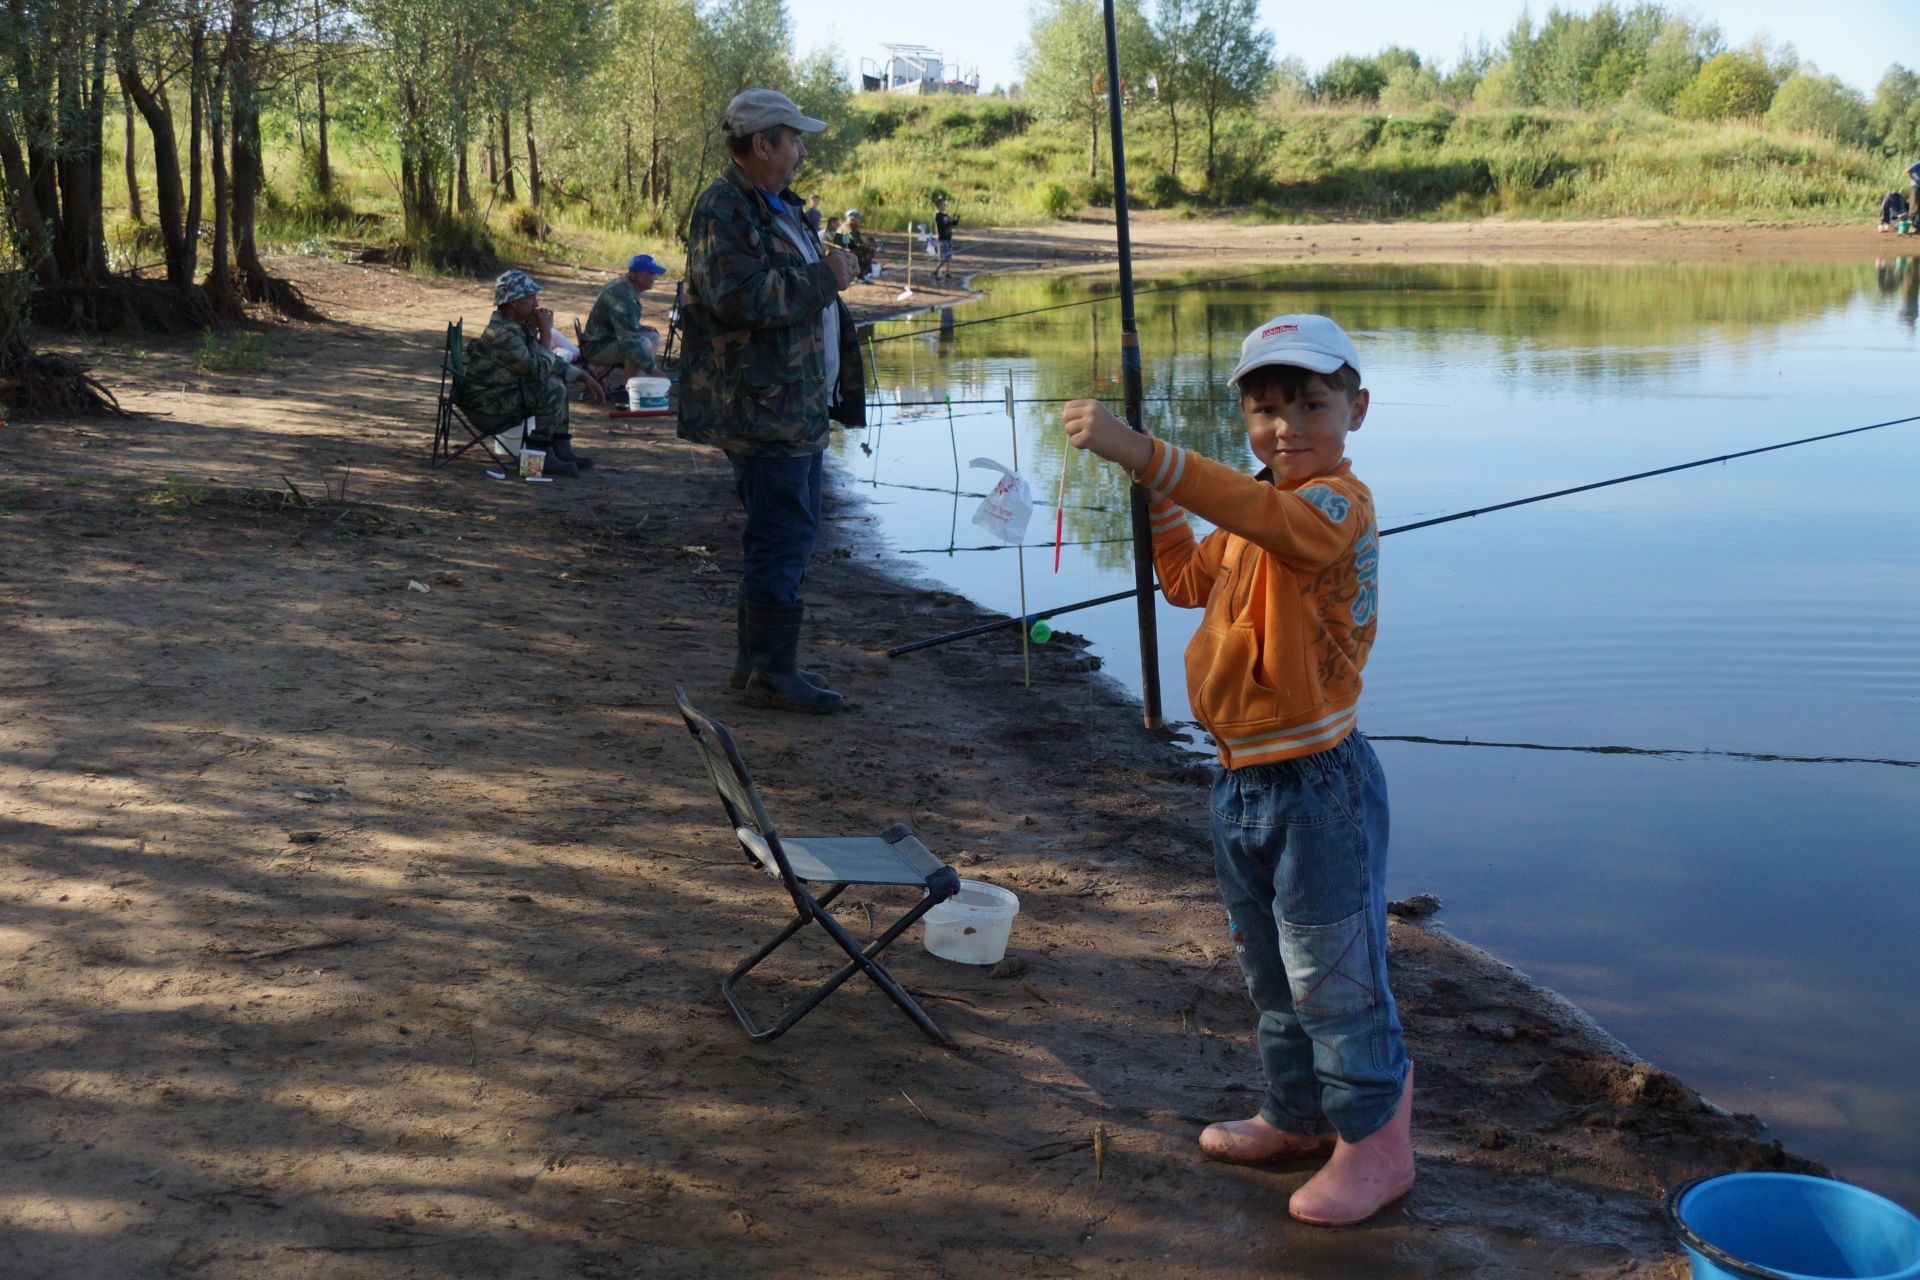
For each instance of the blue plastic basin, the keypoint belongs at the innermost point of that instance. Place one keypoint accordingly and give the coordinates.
(1788, 1226)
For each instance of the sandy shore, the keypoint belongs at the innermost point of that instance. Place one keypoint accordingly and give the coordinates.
(358, 929)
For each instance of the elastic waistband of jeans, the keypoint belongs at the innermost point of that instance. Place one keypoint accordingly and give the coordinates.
(1340, 756)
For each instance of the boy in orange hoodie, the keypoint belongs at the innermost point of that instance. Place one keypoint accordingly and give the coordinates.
(1290, 583)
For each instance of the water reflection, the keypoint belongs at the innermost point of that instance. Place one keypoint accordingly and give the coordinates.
(1730, 892)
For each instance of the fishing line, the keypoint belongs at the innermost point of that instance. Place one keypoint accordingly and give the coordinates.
(985, 628)
(1762, 757)
(1009, 546)
(1077, 302)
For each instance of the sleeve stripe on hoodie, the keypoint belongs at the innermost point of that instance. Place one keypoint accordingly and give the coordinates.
(1174, 459)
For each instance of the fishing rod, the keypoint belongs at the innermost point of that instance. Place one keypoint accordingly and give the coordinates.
(1009, 546)
(1143, 584)
(986, 627)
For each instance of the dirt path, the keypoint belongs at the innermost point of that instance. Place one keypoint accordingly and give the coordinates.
(366, 907)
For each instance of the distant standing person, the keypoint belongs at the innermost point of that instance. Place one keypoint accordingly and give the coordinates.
(943, 225)
(769, 357)
(813, 214)
(1913, 181)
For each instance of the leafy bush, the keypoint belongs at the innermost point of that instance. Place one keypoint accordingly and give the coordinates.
(1099, 192)
(1731, 85)
(1356, 134)
(1350, 79)
(1822, 105)
(233, 353)
(526, 222)
(1163, 191)
(1055, 200)
(1424, 131)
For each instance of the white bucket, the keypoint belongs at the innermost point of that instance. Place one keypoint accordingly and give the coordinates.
(972, 926)
(647, 393)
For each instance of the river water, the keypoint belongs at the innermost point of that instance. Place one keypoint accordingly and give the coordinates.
(1668, 732)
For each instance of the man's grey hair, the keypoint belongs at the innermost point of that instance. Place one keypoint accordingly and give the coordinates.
(741, 144)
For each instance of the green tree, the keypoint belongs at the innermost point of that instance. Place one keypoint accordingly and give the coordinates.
(1409, 89)
(1064, 63)
(1820, 104)
(1231, 59)
(1350, 79)
(1729, 85)
(1172, 46)
(1895, 112)
(1673, 60)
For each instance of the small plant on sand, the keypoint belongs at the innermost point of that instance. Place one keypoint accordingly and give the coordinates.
(234, 353)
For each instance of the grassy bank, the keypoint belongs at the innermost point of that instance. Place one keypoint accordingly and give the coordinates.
(1003, 166)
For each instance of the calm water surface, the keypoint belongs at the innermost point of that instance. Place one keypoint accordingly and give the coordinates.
(1736, 899)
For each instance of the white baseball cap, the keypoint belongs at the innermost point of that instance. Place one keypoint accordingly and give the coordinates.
(1311, 342)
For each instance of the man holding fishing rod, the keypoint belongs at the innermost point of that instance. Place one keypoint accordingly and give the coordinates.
(768, 357)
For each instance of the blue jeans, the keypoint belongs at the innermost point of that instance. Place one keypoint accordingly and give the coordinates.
(1300, 850)
(782, 501)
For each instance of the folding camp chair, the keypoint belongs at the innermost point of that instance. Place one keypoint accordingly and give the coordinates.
(504, 446)
(895, 856)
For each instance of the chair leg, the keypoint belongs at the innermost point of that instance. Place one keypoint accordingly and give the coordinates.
(860, 960)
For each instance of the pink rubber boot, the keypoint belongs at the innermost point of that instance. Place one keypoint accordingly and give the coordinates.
(1256, 1142)
(1362, 1178)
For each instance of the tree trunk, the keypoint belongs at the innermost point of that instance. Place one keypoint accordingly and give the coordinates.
(506, 150)
(323, 173)
(1210, 120)
(133, 171)
(1173, 117)
(96, 128)
(36, 242)
(491, 160)
(190, 233)
(219, 282)
(248, 174)
(168, 196)
(1093, 150)
(533, 156)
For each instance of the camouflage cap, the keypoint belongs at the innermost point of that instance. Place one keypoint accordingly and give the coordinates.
(513, 284)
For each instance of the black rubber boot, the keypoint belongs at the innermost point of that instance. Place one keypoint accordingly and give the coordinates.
(773, 646)
(555, 465)
(563, 450)
(743, 660)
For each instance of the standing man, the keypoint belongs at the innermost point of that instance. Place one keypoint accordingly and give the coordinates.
(813, 214)
(943, 225)
(1913, 196)
(768, 358)
(614, 336)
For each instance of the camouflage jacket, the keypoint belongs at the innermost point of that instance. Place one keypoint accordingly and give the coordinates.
(506, 370)
(752, 366)
(615, 318)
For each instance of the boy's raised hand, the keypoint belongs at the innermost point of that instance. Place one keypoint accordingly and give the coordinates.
(1091, 425)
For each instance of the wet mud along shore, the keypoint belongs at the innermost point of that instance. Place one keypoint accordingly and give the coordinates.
(358, 929)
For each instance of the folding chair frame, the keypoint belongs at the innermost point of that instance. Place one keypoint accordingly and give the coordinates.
(448, 413)
(762, 846)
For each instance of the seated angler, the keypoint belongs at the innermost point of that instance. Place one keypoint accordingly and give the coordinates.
(511, 374)
(614, 337)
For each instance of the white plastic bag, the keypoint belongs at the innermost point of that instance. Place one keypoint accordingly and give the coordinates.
(1004, 513)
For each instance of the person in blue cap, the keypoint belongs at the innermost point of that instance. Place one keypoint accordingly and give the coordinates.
(614, 338)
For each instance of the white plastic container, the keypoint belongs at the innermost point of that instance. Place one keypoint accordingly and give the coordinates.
(972, 927)
(647, 393)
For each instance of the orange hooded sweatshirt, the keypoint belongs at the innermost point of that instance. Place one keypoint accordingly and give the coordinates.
(1290, 581)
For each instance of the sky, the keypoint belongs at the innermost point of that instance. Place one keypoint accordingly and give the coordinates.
(1854, 39)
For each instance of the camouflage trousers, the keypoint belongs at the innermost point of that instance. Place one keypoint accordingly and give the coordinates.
(609, 354)
(501, 408)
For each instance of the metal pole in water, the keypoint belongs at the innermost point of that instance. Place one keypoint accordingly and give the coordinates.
(1130, 368)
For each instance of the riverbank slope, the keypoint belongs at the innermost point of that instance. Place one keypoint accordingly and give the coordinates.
(367, 906)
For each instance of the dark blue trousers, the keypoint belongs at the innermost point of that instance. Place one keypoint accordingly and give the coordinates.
(781, 497)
